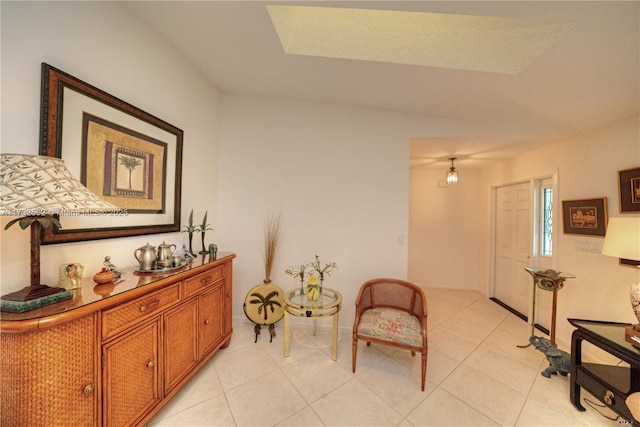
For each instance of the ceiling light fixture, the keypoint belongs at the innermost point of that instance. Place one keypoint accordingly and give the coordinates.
(452, 174)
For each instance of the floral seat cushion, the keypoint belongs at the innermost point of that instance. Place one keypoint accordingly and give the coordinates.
(391, 325)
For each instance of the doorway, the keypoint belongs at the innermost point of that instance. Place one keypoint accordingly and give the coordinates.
(524, 215)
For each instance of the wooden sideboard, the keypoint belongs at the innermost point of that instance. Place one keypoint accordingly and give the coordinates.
(116, 353)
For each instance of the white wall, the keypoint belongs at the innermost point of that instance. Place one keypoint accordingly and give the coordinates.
(444, 229)
(104, 45)
(587, 168)
(340, 176)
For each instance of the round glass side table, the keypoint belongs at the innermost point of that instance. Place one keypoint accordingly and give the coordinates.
(328, 304)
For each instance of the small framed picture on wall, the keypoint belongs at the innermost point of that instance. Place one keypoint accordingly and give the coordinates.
(588, 217)
(629, 190)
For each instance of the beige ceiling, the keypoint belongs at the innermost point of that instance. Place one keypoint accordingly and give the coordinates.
(522, 73)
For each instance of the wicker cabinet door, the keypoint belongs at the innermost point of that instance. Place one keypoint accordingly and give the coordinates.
(181, 343)
(131, 375)
(210, 318)
(49, 377)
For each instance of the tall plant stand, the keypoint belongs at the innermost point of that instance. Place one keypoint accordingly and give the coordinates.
(547, 280)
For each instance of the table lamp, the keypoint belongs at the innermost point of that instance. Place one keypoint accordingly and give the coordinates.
(36, 188)
(623, 241)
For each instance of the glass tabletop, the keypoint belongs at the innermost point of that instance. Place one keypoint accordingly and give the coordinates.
(548, 279)
(549, 274)
(329, 298)
(613, 332)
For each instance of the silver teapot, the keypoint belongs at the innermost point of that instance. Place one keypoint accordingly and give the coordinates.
(164, 256)
(146, 256)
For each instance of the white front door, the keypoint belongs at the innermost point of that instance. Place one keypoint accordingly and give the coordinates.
(513, 246)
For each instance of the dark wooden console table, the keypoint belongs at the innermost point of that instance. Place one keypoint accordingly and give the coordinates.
(610, 384)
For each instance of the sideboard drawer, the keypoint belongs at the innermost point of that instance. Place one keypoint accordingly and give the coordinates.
(200, 281)
(117, 319)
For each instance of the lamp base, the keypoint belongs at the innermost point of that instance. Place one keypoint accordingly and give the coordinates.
(29, 293)
(24, 306)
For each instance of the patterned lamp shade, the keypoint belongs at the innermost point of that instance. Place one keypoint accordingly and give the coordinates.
(35, 187)
(38, 185)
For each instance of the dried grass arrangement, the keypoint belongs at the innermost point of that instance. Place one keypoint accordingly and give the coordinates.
(272, 237)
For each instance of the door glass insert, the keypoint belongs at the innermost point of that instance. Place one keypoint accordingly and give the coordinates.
(547, 221)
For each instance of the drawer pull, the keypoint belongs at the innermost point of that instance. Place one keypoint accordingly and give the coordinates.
(205, 280)
(206, 322)
(150, 365)
(88, 389)
(609, 398)
(151, 306)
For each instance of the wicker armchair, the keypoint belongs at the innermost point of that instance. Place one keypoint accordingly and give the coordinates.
(391, 312)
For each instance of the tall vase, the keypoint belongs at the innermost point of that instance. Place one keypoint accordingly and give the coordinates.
(313, 292)
(301, 285)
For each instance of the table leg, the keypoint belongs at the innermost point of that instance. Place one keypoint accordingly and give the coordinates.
(533, 315)
(315, 326)
(334, 349)
(576, 360)
(553, 315)
(286, 333)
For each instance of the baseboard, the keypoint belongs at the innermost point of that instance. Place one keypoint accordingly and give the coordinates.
(520, 315)
(509, 308)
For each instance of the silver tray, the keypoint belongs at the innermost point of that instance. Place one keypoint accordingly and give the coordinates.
(162, 270)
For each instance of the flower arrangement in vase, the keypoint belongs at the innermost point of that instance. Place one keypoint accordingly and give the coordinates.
(264, 304)
(323, 270)
(298, 271)
(272, 237)
(314, 283)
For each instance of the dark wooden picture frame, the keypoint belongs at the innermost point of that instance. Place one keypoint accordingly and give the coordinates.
(629, 190)
(121, 153)
(587, 217)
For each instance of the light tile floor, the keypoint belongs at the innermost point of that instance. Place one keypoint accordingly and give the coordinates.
(476, 376)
